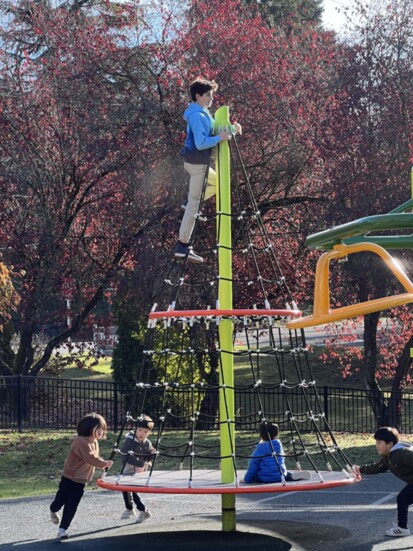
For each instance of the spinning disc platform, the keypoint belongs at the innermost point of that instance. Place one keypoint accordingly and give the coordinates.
(209, 482)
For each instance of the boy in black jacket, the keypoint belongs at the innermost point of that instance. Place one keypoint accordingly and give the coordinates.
(137, 450)
(396, 457)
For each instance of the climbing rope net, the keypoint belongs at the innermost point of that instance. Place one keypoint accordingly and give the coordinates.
(195, 402)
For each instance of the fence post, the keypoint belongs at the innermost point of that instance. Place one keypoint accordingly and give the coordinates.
(115, 406)
(19, 403)
(325, 394)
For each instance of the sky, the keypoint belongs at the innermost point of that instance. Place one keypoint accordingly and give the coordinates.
(332, 19)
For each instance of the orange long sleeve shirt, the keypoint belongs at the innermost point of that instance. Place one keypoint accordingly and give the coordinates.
(82, 460)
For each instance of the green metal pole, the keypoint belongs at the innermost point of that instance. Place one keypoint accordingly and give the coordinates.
(226, 396)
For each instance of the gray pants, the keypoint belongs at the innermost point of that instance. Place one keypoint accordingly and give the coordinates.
(196, 182)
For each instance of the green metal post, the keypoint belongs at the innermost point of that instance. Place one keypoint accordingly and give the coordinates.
(226, 397)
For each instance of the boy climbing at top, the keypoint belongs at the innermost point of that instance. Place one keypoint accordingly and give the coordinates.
(396, 457)
(196, 153)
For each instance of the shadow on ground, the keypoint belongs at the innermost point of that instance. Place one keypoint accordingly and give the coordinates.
(309, 536)
(203, 540)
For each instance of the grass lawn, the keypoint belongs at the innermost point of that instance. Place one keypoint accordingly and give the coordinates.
(325, 374)
(100, 372)
(31, 463)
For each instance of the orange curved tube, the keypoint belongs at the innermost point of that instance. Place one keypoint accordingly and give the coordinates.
(322, 313)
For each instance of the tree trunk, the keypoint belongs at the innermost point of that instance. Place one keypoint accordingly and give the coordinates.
(375, 396)
(395, 402)
(208, 411)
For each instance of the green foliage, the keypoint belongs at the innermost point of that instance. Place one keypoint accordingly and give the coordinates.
(282, 12)
(183, 365)
(128, 353)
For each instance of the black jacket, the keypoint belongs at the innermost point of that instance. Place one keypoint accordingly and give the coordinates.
(141, 453)
(399, 462)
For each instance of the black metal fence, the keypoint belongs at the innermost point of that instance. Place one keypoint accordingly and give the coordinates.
(50, 403)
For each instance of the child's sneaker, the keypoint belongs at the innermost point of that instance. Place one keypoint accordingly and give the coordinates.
(127, 514)
(54, 517)
(183, 250)
(143, 515)
(62, 534)
(397, 532)
(301, 475)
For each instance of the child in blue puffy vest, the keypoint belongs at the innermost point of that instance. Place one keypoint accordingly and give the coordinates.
(264, 466)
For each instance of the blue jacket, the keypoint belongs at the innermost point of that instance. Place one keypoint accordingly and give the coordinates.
(262, 466)
(199, 139)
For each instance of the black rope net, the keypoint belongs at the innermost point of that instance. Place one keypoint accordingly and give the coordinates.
(182, 385)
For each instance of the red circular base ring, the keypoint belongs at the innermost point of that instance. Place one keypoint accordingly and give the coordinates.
(208, 482)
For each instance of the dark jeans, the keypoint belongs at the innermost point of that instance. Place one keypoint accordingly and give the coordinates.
(68, 495)
(127, 498)
(404, 499)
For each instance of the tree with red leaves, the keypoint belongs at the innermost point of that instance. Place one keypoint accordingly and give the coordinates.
(78, 149)
(92, 100)
(369, 175)
(283, 88)
(91, 125)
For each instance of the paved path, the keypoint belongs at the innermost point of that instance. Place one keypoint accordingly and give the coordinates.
(352, 518)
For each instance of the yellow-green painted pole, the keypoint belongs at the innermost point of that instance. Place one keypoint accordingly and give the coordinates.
(226, 396)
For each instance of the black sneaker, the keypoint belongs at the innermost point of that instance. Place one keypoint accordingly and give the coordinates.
(183, 251)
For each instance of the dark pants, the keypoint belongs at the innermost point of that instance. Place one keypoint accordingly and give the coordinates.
(68, 495)
(127, 498)
(404, 499)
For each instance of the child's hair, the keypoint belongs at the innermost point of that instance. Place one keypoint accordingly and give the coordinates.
(89, 423)
(268, 431)
(201, 86)
(387, 434)
(145, 422)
